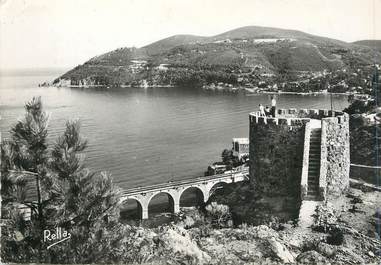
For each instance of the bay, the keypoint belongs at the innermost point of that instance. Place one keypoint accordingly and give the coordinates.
(145, 136)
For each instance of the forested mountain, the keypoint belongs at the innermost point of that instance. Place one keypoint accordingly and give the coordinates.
(245, 53)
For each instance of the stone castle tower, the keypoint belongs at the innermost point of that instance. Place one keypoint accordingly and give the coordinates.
(299, 155)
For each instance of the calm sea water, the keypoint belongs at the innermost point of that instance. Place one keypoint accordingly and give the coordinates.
(144, 136)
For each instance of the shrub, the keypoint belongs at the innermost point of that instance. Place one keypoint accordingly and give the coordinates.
(336, 237)
(220, 215)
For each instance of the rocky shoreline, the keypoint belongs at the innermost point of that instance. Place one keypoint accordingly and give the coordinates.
(344, 232)
(233, 90)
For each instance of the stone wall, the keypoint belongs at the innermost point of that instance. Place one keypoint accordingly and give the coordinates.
(337, 154)
(278, 153)
(306, 156)
(276, 157)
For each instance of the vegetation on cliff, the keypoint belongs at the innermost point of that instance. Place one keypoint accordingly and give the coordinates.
(365, 131)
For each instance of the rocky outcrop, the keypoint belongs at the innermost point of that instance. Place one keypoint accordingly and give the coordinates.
(178, 241)
(311, 257)
(281, 251)
(194, 240)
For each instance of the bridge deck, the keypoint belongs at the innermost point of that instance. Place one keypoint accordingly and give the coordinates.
(179, 183)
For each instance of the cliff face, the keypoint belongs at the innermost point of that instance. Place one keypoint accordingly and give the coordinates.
(226, 57)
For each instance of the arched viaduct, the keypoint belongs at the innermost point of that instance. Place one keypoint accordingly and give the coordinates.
(174, 190)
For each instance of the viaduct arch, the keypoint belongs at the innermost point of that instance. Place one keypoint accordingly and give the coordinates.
(174, 190)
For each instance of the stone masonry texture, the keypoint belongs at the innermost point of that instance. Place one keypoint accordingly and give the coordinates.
(338, 155)
(276, 157)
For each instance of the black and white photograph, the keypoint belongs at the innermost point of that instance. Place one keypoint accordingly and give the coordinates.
(190, 132)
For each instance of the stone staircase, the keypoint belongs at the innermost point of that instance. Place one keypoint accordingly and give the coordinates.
(314, 165)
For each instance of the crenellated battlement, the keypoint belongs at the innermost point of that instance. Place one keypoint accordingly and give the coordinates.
(294, 117)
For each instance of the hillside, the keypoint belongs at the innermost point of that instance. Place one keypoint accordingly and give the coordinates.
(374, 44)
(240, 56)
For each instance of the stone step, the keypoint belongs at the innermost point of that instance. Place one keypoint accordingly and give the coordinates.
(314, 164)
(313, 192)
(314, 150)
(315, 146)
(311, 198)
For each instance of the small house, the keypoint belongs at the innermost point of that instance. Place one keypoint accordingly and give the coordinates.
(241, 147)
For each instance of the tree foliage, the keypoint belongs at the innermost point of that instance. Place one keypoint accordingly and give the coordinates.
(365, 132)
(69, 196)
(229, 160)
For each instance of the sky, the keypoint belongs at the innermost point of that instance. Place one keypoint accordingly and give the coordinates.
(65, 33)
